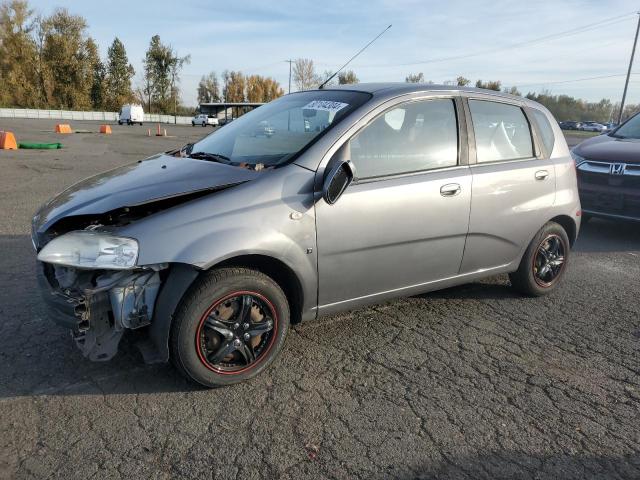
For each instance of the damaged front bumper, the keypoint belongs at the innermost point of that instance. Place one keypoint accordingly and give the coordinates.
(97, 306)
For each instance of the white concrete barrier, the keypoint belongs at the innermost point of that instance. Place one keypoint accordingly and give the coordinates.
(80, 115)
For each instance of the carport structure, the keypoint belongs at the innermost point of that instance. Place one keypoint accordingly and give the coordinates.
(236, 109)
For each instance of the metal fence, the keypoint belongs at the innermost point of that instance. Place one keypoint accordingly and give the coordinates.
(77, 115)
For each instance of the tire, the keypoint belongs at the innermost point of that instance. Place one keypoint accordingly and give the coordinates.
(540, 272)
(204, 124)
(218, 297)
(193, 124)
(119, 122)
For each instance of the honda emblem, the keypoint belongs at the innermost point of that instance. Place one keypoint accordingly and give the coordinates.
(617, 168)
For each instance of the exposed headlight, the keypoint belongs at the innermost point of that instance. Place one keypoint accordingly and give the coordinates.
(94, 250)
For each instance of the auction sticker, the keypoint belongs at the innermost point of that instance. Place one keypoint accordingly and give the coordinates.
(325, 106)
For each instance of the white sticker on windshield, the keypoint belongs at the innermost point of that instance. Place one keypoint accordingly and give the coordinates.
(325, 106)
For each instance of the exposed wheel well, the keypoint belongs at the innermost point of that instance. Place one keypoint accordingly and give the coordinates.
(281, 274)
(569, 226)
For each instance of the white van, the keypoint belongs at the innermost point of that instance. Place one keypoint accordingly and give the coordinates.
(131, 114)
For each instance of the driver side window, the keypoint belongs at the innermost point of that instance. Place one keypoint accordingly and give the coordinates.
(411, 137)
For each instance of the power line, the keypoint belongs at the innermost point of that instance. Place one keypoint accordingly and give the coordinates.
(554, 36)
(573, 80)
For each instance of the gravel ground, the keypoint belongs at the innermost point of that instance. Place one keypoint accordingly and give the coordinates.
(469, 382)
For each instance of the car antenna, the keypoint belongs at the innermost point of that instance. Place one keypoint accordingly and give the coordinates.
(349, 61)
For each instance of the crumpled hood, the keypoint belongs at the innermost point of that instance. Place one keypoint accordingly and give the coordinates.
(153, 179)
(610, 149)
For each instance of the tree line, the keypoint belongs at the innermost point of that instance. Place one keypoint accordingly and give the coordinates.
(52, 62)
(563, 107)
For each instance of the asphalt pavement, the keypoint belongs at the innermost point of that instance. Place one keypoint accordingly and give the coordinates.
(470, 382)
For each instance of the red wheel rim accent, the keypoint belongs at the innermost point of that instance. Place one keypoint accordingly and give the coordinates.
(261, 356)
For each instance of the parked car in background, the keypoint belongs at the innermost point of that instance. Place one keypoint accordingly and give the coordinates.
(203, 119)
(130, 114)
(610, 126)
(593, 127)
(570, 125)
(224, 121)
(608, 168)
(211, 251)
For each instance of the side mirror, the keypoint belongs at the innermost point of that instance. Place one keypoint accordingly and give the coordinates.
(337, 180)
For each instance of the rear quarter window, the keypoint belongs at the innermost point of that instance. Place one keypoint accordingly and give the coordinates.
(502, 131)
(548, 138)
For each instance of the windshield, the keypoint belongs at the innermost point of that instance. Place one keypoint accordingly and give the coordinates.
(630, 129)
(277, 132)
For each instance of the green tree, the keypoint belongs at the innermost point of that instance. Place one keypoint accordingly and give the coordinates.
(462, 81)
(119, 73)
(489, 85)
(18, 55)
(68, 58)
(512, 91)
(98, 84)
(162, 68)
(565, 107)
(347, 77)
(209, 89)
(414, 78)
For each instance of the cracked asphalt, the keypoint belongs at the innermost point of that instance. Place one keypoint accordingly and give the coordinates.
(469, 382)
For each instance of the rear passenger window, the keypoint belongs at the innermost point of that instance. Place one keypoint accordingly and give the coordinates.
(545, 129)
(502, 131)
(412, 137)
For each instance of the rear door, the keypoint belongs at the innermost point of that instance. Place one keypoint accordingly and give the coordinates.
(513, 184)
(403, 222)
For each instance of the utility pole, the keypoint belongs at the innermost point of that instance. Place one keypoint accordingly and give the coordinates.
(626, 83)
(289, 62)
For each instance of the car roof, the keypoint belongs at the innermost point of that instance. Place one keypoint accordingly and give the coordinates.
(406, 87)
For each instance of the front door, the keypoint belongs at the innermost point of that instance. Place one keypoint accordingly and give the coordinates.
(404, 221)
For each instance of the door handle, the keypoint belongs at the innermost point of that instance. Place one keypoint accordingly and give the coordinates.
(450, 189)
(541, 174)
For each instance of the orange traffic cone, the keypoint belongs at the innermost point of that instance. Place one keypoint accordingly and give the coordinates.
(106, 129)
(63, 128)
(159, 133)
(8, 141)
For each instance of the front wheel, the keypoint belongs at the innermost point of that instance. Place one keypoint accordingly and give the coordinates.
(230, 326)
(544, 262)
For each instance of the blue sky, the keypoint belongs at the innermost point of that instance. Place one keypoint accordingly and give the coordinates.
(479, 39)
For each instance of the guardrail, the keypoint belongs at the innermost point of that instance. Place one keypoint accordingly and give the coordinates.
(79, 115)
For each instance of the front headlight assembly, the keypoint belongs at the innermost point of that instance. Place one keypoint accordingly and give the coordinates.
(91, 250)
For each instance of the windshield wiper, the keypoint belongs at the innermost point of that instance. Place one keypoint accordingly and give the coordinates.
(213, 157)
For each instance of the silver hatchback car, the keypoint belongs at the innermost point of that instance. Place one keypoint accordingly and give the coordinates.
(360, 194)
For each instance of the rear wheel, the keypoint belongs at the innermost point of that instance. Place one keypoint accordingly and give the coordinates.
(229, 327)
(544, 262)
